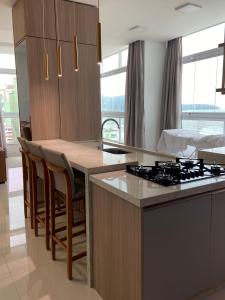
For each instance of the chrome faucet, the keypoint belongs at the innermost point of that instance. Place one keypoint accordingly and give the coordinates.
(107, 120)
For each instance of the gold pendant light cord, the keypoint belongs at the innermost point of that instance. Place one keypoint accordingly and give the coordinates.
(75, 48)
(59, 49)
(46, 66)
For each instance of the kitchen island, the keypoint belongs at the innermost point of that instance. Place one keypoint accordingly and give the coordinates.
(156, 243)
(87, 158)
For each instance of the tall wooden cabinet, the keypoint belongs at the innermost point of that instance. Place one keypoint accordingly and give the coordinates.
(68, 106)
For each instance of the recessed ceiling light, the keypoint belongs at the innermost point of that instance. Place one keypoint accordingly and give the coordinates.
(188, 8)
(138, 29)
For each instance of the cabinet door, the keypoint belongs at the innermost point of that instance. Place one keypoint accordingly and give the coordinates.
(44, 98)
(218, 237)
(89, 102)
(34, 18)
(66, 28)
(86, 23)
(80, 106)
(177, 249)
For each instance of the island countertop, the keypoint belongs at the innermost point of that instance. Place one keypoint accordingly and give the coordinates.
(86, 157)
(143, 193)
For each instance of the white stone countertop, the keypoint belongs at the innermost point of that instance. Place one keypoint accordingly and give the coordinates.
(143, 193)
(213, 155)
(86, 157)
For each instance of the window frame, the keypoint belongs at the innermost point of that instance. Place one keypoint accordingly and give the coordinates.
(206, 116)
(121, 69)
(9, 115)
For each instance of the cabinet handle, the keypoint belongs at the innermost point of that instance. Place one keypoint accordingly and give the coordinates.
(59, 61)
(76, 58)
(46, 67)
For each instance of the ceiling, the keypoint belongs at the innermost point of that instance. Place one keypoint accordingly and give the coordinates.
(159, 17)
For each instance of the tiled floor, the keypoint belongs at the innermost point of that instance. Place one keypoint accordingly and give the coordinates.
(27, 271)
(26, 268)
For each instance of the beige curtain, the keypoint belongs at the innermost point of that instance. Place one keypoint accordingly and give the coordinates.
(172, 86)
(2, 132)
(134, 97)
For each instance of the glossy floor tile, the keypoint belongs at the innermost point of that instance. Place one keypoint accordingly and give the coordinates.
(26, 268)
(27, 271)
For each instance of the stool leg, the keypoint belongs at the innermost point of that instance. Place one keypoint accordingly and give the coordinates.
(69, 213)
(52, 208)
(47, 235)
(35, 205)
(31, 198)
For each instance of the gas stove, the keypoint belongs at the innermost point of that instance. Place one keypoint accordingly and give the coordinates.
(179, 171)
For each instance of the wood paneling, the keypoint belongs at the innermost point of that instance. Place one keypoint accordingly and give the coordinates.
(18, 13)
(86, 23)
(44, 97)
(80, 105)
(66, 20)
(34, 18)
(89, 103)
(68, 95)
(116, 247)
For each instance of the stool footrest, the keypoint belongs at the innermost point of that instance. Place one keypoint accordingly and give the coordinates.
(78, 256)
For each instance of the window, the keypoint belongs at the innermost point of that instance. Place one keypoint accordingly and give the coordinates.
(202, 108)
(9, 98)
(113, 81)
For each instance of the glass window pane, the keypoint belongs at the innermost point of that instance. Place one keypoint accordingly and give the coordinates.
(203, 40)
(113, 93)
(124, 57)
(12, 130)
(111, 131)
(204, 126)
(110, 63)
(188, 87)
(8, 93)
(205, 85)
(7, 61)
(220, 99)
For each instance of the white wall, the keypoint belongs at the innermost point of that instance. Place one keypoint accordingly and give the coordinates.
(154, 66)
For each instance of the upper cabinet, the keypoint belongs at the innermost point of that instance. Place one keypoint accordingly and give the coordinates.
(75, 18)
(28, 19)
(86, 23)
(63, 19)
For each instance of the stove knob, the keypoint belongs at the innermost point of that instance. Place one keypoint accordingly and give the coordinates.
(196, 173)
(183, 176)
(192, 173)
(201, 172)
(188, 175)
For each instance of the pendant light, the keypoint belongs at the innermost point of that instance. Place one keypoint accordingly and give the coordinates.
(59, 48)
(76, 63)
(46, 62)
(99, 39)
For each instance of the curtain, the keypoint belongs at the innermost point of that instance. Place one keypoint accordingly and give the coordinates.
(134, 96)
(172, 86)
(2, 132)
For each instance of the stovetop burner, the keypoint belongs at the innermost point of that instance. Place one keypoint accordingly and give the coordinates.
(181, 170)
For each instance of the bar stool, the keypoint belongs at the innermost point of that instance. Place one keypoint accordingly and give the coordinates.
(62, 179)
(27, 186)
(40, 182)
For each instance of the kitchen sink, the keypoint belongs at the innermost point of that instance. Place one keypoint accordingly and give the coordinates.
(115, 151)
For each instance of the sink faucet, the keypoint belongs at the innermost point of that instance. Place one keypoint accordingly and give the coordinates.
(107, 120)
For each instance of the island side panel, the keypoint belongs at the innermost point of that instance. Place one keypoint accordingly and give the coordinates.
(177, 249)
(116, 246)
(218, 237)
